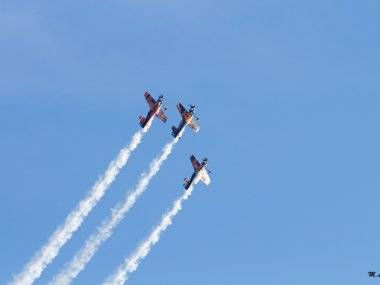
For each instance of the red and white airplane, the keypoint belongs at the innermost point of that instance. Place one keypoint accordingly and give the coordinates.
(156, 109)
(188, 118)
(201, 173)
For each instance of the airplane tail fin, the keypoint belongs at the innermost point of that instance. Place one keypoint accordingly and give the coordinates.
(186, 183)
(142, 121)
(174, 131)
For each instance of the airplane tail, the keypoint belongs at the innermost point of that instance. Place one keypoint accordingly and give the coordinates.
(186, 183)
(174, 131)
(142, 121)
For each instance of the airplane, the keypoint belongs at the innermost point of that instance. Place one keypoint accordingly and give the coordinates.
(156, 108)
(201, 173)
(188, 118)
(373, 274)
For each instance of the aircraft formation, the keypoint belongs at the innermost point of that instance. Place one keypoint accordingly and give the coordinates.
(188, 118)
(64, 232)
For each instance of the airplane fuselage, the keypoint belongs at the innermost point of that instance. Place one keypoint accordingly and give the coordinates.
(187, 116)
(196, 176)
(186, 119)
(152, 113)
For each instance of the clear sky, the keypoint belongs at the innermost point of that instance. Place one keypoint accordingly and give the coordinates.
(288, 97)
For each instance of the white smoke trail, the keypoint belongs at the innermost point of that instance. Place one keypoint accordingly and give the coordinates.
(63, 233)
(131, 264)
(84, 255)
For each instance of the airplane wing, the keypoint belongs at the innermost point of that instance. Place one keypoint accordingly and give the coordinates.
(195, 163)
(194, 125)
(180, 108)
(150, 100)
(161, 115)
(205, 178)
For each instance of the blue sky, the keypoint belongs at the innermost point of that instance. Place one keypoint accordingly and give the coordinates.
(288, 100)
